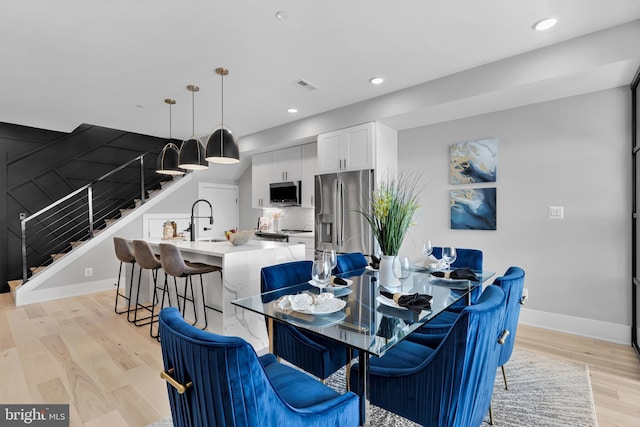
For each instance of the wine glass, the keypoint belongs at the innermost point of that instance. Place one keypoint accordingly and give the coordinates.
(427, 248)
(449, 256)
(321, 273)
(401, 267)
(332, 258)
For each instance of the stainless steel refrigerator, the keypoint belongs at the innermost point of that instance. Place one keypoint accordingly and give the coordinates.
(338, 224)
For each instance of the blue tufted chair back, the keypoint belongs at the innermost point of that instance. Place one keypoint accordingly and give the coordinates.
(512, 283)
(317, 355)
(231, 386)
(450, 385)
(470, 258)
(351, 261)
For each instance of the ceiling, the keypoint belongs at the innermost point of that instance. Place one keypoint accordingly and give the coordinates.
(112, 63)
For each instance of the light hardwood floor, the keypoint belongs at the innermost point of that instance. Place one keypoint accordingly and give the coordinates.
(78, 351)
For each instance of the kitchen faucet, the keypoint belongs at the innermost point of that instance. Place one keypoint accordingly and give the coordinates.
(192, 224)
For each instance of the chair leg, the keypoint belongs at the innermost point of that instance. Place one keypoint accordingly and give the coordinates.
(118, 295)
(204, 305)
(130, 291)
(504, 376)
(490, 415)
(149, 319)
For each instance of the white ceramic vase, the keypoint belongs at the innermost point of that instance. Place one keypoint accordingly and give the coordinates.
(385, 269)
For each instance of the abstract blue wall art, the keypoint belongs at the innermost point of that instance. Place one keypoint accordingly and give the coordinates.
(473, 161)
(473, 209)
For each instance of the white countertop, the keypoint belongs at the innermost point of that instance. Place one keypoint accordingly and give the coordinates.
(221, 248)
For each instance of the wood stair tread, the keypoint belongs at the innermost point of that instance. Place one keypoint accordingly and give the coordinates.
(56, 257)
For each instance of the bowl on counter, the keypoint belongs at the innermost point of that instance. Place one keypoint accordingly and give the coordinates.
(241, 237)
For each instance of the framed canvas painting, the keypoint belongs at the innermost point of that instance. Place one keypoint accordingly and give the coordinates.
(473, 209)
(473, 161)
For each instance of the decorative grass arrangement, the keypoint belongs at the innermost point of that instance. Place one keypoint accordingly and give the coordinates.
(393, 204)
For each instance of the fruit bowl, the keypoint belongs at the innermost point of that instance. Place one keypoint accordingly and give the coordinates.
(238, 238)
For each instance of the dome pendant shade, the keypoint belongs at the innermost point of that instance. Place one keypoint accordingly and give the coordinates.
(168, 161)
(192, 155)
(222, 148)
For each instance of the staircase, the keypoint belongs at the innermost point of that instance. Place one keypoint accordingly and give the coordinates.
(52, 233)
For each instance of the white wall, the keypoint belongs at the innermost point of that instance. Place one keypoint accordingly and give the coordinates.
(573, 152)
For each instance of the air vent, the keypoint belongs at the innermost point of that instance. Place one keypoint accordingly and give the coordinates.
(305, 84)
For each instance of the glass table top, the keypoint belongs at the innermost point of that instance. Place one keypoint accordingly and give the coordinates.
(368, 322)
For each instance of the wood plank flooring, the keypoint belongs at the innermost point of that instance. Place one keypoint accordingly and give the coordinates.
(78, 351)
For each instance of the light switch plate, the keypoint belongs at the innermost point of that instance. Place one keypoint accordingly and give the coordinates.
(556, 212)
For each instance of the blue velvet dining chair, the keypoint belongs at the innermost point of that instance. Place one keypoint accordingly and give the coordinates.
(317, 355)
(450, 385)
(350, 262)
(512, 283)
(469, 258)
(215, 380)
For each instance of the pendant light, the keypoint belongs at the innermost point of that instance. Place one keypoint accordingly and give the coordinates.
(221, 146)
(192, 151)
(168, 158)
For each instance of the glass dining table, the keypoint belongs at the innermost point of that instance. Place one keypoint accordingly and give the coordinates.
(369, 322)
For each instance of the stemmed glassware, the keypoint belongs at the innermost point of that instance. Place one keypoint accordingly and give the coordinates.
(427, 248)
(449, 255)
(321, 273)
(331, 257)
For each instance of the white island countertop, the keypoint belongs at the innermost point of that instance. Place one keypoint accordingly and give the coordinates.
(221, 248)
(241, 270)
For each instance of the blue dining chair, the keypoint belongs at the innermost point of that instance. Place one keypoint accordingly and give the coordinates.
(317, 355)
(350, 262)
(215, 380)
(450, 385)
(469, 258)
(512, 283)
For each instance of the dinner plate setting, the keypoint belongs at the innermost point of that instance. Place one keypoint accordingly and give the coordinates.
(307, 303)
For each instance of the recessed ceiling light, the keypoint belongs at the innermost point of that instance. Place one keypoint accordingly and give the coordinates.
(292, 110)
(376, 80)
(139, 106)
(545, 24)
(281, 15)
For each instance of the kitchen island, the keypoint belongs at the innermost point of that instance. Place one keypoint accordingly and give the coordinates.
(241, 267)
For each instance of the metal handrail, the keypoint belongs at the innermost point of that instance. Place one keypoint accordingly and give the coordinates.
(88, 188)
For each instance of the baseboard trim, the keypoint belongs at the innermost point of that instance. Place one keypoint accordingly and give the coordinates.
(596, 329)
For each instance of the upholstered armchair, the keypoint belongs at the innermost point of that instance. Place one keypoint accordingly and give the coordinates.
(450, 385)
(317, 355)
(216, 380)
(350, 262)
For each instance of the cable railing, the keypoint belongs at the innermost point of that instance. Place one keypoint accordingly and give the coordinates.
(78, 216)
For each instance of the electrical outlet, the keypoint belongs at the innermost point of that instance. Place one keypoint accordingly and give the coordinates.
(88, 272)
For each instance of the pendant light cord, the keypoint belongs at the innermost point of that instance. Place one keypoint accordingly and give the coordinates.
(222, 100)
(193, 113)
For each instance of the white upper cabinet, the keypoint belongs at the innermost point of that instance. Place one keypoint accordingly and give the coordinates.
(286, 165)
(261, 171)
(347, 149)
(309, 166)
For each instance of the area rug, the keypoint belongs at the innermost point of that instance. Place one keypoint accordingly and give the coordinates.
(543, 392)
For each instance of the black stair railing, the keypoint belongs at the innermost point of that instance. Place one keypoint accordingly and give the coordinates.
(81, 214)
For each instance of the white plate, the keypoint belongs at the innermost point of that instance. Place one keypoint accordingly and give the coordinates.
(389, 302)
(457, 284)
(368, 267)
(332, 286)
(327, 307)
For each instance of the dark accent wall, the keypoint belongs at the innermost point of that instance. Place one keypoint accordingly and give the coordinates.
(38, 166)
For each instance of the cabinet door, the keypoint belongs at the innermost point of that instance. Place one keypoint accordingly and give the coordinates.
(308, 173)
(329, 152)
(358, 147)
(286, 165)
(260, 179)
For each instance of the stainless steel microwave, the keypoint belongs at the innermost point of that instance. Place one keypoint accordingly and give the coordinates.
(285, 193)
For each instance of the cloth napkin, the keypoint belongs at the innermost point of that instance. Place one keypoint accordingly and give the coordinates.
(433, 262)
(414, 302)
(375, 262)
(460, 274)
